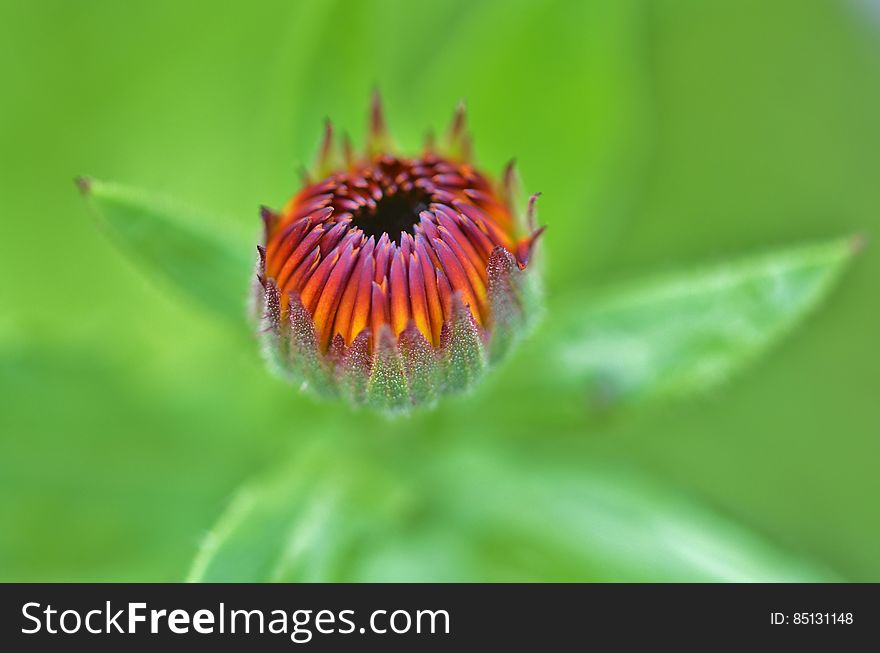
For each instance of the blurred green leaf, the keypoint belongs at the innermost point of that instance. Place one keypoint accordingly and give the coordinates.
(311, 521)
(470, 514)
(685, 333)
(207, 265)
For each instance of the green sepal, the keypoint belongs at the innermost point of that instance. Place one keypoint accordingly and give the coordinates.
(463, 349)
(387, 389)
(420, 365)
(353, 370)
(304, 358)
(505, 302)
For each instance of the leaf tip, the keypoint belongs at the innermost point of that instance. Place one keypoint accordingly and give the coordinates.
(857, 242)
(84, 184)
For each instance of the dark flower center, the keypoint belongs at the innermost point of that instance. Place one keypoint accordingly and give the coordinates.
(393, 214)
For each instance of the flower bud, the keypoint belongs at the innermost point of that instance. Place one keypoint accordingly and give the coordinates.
(393, 280)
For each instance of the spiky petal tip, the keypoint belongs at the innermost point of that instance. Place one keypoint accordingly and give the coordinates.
(394, 280)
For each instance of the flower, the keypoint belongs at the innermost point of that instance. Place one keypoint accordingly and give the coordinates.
(393, 280)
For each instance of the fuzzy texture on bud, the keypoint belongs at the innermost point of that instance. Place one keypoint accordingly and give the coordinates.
(391, 281)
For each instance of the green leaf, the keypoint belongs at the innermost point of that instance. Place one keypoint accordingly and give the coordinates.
(207, 265)
(310, 521)
(685, 333)
(471, 514)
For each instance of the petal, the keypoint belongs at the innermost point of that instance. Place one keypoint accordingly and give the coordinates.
(378, 308)
(306, 246)
(361, 276)
(303, 272)
(418, 297)
(399, 291)
(457, 276)
(474, 275)
(383, 255)
(432, 292)
(325, 310)
(447, 219)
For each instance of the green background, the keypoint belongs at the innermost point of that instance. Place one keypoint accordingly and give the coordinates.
(661, 134)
